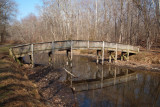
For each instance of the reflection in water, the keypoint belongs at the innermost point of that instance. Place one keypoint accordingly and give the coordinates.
(108, 85)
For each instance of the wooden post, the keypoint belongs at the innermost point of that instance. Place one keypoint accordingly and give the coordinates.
(71, 49)
(128, 53)
(88, 44)
(51, 53)
(12, 54)
(122, 56)
(50, 57)
(97, 56)
(116, 53)
(52, 47)
(67, 54)
(103, 53)
(102, 78)
(110, 57)
(32, 55)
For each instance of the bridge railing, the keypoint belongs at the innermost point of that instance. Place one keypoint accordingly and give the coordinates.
(22, 49)
(63, 45)
(95, 44)
(42, 46)
(79, 44)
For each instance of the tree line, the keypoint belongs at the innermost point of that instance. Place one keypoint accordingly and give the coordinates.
(134, 22)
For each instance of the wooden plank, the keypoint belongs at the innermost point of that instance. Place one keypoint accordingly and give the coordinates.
(103, 53)
(70, 73)
(116, 53)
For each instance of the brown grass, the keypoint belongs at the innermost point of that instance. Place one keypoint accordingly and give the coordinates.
(146, 57)
(16, 90)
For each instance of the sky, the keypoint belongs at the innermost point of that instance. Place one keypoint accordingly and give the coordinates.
(25, 7)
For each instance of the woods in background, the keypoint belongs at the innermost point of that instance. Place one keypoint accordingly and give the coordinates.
(134, 22)
(7, 12)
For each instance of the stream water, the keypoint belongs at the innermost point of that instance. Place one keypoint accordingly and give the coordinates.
(95, 85)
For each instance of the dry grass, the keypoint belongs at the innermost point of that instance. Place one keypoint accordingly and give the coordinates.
(146, 57)
(15, 88)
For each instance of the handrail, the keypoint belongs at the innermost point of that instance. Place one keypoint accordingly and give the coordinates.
(23, 49)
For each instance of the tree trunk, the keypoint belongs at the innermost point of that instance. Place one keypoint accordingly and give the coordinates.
(159, 12)
(121, 23)
(115, 30)
(2, 38)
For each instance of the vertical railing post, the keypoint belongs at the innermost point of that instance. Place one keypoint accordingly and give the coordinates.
(71, 49)
(32, 55)
(128, 53)
(110, 57)
(103, 53)
(116, 53)
(88, 44)
(97, 56)
(52, 47)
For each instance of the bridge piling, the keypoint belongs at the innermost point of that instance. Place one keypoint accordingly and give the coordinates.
(67, 54)
(71, 50)
(122, 56)
(128, 53)
(98, 55)
(50, 57)
(116, 53)
(103, 53)
(51, 53)
(110, 57)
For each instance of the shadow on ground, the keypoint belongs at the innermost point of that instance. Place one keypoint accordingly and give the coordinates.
(51, 88)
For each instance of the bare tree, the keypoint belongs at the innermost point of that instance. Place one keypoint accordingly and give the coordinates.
(7, 11)
(134, 22)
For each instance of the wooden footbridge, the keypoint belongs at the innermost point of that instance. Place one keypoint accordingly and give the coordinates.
(100, 46)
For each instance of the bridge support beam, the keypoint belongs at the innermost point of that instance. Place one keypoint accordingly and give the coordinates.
(19, 60)
(125, 56)
(98, 55)
(69, 57)
(110, 57)
(103, 53)
(128, 56)
(50, 57)
(122, 56)
(116, 53)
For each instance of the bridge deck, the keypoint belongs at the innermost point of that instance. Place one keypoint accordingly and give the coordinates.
(22, 50)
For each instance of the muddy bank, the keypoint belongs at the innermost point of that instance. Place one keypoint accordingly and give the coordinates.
(51, 86)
